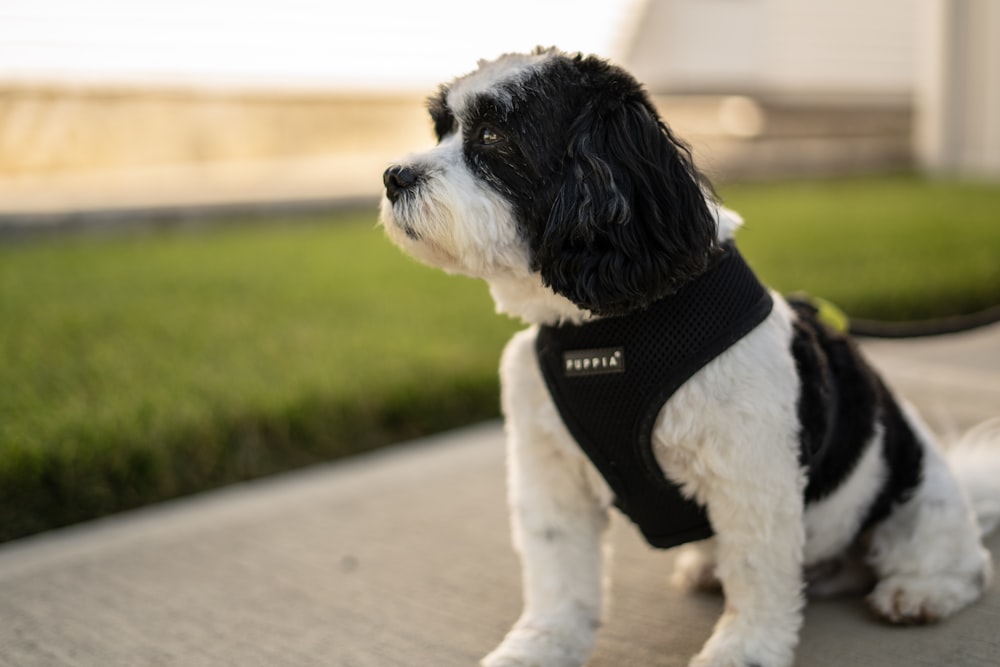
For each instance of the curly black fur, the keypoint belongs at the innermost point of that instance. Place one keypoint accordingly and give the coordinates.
(609, 201)
(630, 223)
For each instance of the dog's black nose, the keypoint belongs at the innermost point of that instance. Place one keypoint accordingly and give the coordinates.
(398, 179)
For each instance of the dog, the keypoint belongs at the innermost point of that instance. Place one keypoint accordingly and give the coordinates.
(555, 181)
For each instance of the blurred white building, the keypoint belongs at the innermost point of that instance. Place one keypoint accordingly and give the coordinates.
(939, 59)
(958, 87)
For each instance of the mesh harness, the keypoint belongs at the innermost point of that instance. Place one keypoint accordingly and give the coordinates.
(610, 377)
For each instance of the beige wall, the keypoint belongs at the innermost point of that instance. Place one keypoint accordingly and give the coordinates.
(73, 149)
(813, 48)
(59, 130)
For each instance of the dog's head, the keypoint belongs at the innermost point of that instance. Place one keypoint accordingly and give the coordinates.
(554, 165)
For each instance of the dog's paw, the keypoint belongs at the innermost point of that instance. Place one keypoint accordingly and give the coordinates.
(734, 658)
(738, 643)
(702, 660)
(912, 600)
(536, 647)
(694, 571)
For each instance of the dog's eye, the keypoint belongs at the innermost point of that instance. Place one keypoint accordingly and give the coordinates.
(488, 136)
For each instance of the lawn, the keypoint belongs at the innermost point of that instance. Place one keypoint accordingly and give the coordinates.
(883, 248)
(140, 367)
(145, 367)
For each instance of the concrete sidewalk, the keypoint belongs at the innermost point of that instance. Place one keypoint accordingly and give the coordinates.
(402, 557)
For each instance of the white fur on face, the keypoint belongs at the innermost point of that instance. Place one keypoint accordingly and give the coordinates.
(452, 219)
(456, 221)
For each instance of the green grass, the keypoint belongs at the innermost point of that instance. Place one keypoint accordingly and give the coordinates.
(882, 248)
(136, 368)
(141, 368)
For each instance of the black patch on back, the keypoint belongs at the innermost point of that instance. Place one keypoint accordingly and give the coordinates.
(904, 457)
(841, 398)
(837, 405)
(816, 387)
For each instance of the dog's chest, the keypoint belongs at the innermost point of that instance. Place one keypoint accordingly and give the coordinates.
(609, 378)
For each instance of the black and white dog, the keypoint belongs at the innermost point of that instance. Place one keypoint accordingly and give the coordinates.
(555, 181)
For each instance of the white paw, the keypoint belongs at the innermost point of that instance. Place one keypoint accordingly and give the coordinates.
(915, 600)
(737, 643)
(712, 659)
(537, 647)
(694, 570)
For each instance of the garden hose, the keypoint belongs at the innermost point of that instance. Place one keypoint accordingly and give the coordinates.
(835, 318)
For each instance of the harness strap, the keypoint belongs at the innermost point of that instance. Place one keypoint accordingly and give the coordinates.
(610, 377)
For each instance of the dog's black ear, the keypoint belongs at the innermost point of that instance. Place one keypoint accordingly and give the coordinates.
(630, 223)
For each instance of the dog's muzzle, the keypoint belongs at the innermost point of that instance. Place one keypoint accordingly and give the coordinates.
(397, 181)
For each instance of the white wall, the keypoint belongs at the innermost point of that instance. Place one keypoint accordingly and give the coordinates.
(787, 47)
(958, 91)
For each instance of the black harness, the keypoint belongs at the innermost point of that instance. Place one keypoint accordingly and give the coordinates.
(610, 377)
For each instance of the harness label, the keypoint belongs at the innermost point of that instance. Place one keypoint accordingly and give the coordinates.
(577, 363)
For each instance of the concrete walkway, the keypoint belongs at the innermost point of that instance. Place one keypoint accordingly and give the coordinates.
(402, 557)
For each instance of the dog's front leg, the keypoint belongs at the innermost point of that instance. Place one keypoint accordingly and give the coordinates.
(558, 523)
(759, 540)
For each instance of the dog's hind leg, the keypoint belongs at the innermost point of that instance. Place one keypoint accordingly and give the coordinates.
(927, 554)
